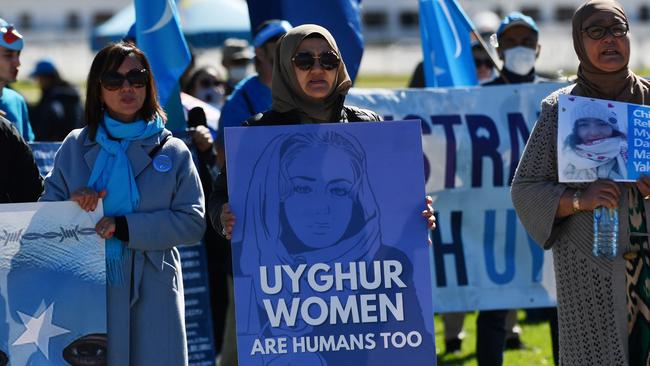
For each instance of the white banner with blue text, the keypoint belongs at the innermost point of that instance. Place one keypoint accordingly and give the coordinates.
(472, 138)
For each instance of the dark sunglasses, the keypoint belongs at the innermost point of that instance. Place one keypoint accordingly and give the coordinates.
(305, 61)
(597, 32)
(113, 80)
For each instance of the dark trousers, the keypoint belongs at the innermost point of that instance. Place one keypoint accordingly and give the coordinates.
(490, 337)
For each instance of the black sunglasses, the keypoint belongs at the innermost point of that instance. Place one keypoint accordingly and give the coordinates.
(305, 61)
(113, 80)
(597, 32)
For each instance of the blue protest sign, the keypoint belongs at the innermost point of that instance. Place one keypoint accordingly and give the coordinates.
(198, 318)
(330, 254)
(52, 285)
(639, 139)
(602, 139)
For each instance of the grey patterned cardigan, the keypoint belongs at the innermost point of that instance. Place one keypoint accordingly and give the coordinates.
(591, 291)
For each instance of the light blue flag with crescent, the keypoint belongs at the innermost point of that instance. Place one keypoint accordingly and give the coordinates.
(446, 45)
(159, 35)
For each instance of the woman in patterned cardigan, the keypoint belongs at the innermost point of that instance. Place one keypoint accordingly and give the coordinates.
(602, 304)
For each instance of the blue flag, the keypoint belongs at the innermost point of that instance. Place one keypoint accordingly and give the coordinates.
(446, 45)
(340, 17)
(159, 35)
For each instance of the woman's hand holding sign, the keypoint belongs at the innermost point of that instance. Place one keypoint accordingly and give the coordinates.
(429, 213)
(602, 192)
(643, 184)
(87, 198)
(105, 227)
(227, 219)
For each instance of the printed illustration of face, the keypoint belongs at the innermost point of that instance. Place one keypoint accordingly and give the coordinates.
(320, 207)
(592, 129)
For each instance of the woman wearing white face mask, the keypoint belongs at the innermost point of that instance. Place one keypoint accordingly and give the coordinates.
(518, 48)
(208, 84)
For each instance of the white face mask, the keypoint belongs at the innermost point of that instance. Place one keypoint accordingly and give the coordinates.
(520, 60)
(212, 96)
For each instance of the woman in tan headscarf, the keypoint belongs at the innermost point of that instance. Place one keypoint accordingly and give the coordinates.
(309, 86)
(602, 304)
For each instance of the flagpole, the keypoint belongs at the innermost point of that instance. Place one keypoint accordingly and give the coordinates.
(480, 40)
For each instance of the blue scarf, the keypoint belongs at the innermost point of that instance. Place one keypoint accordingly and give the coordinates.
(112, 171)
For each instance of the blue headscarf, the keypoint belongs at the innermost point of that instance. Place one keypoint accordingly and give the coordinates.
(112, 171)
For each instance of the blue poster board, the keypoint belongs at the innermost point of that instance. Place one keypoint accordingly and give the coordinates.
(602, 139)
(330, 255)
(52, 285)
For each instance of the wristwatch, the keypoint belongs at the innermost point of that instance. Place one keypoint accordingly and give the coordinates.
(576, 200)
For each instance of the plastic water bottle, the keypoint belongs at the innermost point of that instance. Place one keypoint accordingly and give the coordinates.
(605, 232)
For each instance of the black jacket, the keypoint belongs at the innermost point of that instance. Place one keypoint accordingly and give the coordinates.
(219, 194)
(509, 77)
(20, 180)
(58, 112)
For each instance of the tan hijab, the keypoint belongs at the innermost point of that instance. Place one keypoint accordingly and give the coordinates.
(287, 93)
(622, 85)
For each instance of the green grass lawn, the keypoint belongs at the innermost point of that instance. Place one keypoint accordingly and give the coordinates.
(536, 337)
(382, 81)
(28, 89)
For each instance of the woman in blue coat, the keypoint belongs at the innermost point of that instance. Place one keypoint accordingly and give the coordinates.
(152, 201)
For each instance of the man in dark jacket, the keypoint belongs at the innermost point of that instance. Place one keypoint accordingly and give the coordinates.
(59, 110)
(20, 180)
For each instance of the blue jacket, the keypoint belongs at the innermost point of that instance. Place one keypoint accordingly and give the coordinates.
(14, 105)
(249, 98)
(171, 213)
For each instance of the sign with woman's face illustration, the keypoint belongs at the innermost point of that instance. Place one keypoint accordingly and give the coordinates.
(330, 252)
